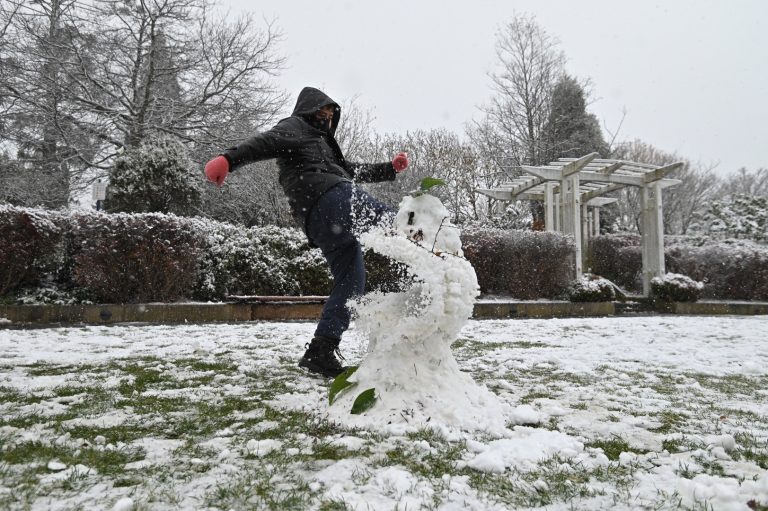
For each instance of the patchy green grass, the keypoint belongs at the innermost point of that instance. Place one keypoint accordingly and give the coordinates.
(188, 419)
(613, 447)
(732, 385)
(105, 461)
(430, 464)
(752, 448)
(532, 396)
(670, 421)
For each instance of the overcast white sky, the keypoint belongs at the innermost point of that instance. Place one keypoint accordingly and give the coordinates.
(692, 75)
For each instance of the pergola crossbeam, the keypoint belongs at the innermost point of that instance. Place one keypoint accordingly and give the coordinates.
(525, 185)
(599, 202)
(577, 165)
(613, 167)
(658, 174)
(601, 191)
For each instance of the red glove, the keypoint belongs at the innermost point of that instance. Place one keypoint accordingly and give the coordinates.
(400, 162)
(217, 169)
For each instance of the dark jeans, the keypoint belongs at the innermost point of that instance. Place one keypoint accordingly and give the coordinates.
(338, 217)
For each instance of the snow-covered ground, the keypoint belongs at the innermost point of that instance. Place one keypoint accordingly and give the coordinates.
(615, 413)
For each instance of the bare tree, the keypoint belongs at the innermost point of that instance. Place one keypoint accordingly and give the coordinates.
(530, 65)
(35, 122)
(126, 70)
(355, 130)
(169, 66)
(682, 203)
(250, 196)
(744, 182)
(493, 165)
(685, 202)
(435, 153)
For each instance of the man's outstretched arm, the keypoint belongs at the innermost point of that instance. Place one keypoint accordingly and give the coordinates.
(377, 172)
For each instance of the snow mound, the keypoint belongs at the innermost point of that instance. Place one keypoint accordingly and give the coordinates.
(409, 363)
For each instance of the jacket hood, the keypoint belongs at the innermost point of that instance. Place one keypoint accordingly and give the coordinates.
(311, 100)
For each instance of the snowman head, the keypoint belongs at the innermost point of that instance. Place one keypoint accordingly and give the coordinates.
(425, 220)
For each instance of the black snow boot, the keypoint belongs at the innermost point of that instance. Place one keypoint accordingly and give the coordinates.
(320, 357)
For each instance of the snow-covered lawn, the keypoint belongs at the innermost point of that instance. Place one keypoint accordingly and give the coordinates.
(634, 412)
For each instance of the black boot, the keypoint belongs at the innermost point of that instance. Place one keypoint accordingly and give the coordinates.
(320, 357)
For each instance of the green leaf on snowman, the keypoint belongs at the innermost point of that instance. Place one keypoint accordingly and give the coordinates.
(426, 184)
(429, 182)
(341, 383)
(364, 401)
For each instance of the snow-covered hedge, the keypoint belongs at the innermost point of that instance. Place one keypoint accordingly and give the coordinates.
(674, 287)
(617, 257)
(150, 257)
(29, 239)
(156, 176)
(121, 258)
(521, 264)
(257, 261)
(592, 289)
(124, 258)
(729, 269)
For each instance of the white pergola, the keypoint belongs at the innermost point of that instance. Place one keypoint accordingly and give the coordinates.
(573, 191)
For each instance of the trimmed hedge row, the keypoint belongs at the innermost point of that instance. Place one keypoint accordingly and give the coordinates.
(122, 258)
(27, 246)
(521, 264)
(125, 258)
(729, 269)
(128, 258)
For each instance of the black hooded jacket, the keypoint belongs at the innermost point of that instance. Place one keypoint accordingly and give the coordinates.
(309, 157)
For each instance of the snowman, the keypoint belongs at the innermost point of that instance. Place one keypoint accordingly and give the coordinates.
(409, 378)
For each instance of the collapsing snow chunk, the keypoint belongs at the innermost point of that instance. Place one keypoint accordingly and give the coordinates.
(525, 414)
(724, 493)
(124, 504)
(262, 447)
(409, 362)
(526, 448)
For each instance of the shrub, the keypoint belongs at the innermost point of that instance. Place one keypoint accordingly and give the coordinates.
(729, 269)
(124, 258)
(674, 287)
(592, 289)
(256, 261)
(522, 264)
(384, 274)
(28, 246)
(306, 267)
(50, 257)
(618, 258)
(154, 177)
(739, 216)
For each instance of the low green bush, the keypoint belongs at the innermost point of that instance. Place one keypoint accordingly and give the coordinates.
(674, 287)
(729, 269)
(591, 289)
(124, 258)
(29, 243)
(520, 264)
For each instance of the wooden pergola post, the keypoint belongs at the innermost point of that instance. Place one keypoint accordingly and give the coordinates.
(549, 207)
(585, 233)
(596, 221)
(652, 235)
(572, 216)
